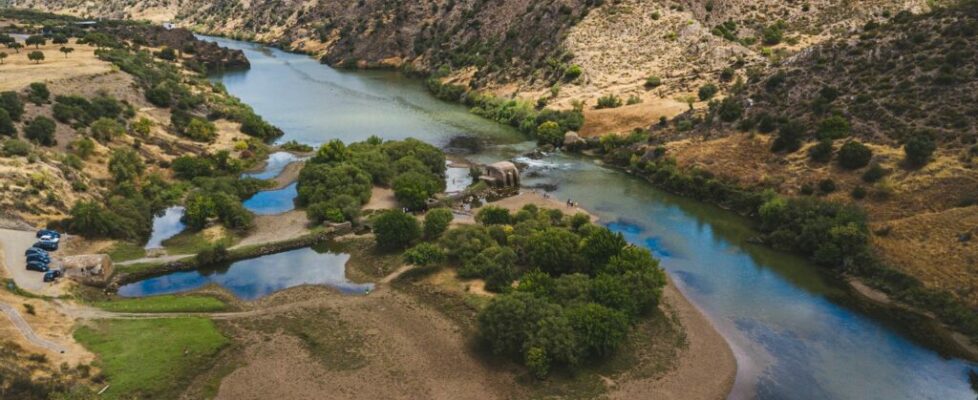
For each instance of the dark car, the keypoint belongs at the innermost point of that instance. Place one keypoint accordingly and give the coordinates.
(47, 232)
(47, 246)
(37, 266)
(44, 258)
(50, 276)
(35, 250)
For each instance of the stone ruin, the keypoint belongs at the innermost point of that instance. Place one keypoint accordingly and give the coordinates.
(502, 174)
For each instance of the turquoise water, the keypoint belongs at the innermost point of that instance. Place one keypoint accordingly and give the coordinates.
(797, 334)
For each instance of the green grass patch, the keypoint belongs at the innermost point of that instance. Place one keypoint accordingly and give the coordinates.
(194, 242)
(125, 251)
(138, 267)
(164, 303)
(151, 358)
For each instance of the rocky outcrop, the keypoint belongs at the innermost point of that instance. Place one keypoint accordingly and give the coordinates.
(201, 55)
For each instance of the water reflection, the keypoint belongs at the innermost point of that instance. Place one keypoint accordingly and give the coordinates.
(270, 202)
(165, 226)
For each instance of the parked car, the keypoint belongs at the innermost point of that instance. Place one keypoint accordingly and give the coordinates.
(49, 238)
(37, 266)
(50, 276)
(35, 250)
(44, 258)
(47, 246)
(48, 232)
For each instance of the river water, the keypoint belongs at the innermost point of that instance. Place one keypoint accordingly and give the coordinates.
(797, 334)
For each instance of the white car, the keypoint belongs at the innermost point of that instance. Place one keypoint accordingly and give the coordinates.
(50, 238)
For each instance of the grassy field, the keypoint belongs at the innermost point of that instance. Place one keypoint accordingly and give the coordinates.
(163, 304)
(125, 251)
(151, 358)
(194, 242)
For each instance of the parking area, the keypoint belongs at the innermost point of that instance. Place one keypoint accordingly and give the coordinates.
(14, 243)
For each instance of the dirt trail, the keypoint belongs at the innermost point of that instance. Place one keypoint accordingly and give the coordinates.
(28, 333)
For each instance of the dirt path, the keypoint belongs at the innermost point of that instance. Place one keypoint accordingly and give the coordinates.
(28, 333)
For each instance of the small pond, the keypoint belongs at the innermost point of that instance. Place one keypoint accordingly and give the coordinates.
(165, 226)
(274, 165)
(258, 277)
(270, 202)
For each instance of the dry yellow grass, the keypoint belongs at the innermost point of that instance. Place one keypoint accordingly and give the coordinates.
(18, 72)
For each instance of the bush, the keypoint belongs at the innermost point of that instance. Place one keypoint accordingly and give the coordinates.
(465, 242)
(436, 222)
(424, 254)
(41, 131)
(707, 91)
(821, 152)
(609, 101)
(395, 230)
(832, 128)
(321, 182)
(10, 102)
(789, 137)
(653, 82)
(7, 127)
(492, 215)
(730, 109)
(105, 129)
(125, 165)
(413, 189)
(16, 147)
(200, 130)
(858, 193)
(550, 133)
(554, 251)
(918, 150)
(854, 155)
(573, 72)
(874, 173)
(826, 186)
(38, 93)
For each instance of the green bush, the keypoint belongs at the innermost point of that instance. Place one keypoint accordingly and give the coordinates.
(413, 189)
(492, 215)
(707, 91)
(322, 182)
(572, 72)
(7, 127)
(550, 133)
(16, 147)
(854, 155)
(834, 127)
(436, 221)
(730, 109)
(10, 102)
(608, 101)
(106, 129)
(424, 254)
(38, 93)
(125, 165)
(41, 131)
(821, 152)
(874, 173)
(653, 82)
(918, 150)
(395, 230)
(789, 137)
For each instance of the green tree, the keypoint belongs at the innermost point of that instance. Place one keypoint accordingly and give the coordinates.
(834, 127)
(332, 152)
(429, 155)
(322, 182)
(38, 93)
(125, 165)
(201, 130)
(41, 131)
(7, 124)
(550, 133)
(15, 46)
(707, 91)
(854, 155)
(789, 137)
(424, 254)
(106, 129)
(600, 245)
(510, 320)
(599, 329)
(35, 40)
(83, 147)
(413, 189)
(492, 215)
(821, 152)
(554, 251)
(918, 150)
(59, 39)
(36, 56)
(395, 230)
(11, 102)
(198, 208)
(66, 50)
(730, 109)
(436, 221)
(465, 242)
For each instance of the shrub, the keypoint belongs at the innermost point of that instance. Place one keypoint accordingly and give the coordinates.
(653, 82)
(125, 165)
(319, 212)
(10, 102)
(322, 182)
(16, 147)
(492, 215)
(707, 91)
(858, 193)
(826, 186)
(609, 101)
(38, 93)
(550, 133)
(874, 173)
(465, 242)
(789, 137)
(7, 127)
(918, 150)
(854, 155)
(200, 130)
(413, 189)
(105, 129)
(572, 72)
(821, 152)
(832, 128)
(730, 109)
(41, 131)
(554, 251)
(436, 221)
(424, 254)
(395, 230)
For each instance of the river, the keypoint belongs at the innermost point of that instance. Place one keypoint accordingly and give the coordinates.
(796, 333)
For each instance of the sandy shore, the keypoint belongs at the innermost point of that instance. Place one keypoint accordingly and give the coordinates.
(706, 369)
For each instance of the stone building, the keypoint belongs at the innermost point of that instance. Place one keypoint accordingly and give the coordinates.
(502, 174)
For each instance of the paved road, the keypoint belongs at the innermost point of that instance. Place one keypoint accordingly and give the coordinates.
(13, 243)
(26, 330)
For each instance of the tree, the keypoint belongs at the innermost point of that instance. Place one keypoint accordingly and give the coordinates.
(554, 251)
(7, 124)
(600, 245)
(730, 109)
(41, 131)
(11, 102)
(16, 46)
(436, 221)
(550, 133)
(36, 56)
(413, 189)
(3, 56)
(789, 137)
(918, 150)
(834, 127)
(198, 208)
(395, 230)
(492, 215)
(322, 182)
(35, 40)
(854, 155)
(333, 151)
(431, 156)
(707, 91)
(60, 39)
(66, 50)
(201, 130)
(424, 254)
(465, 242)
(38, 93)
(599, 329)
(125, 165)
(105, 129)
(510, 321)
